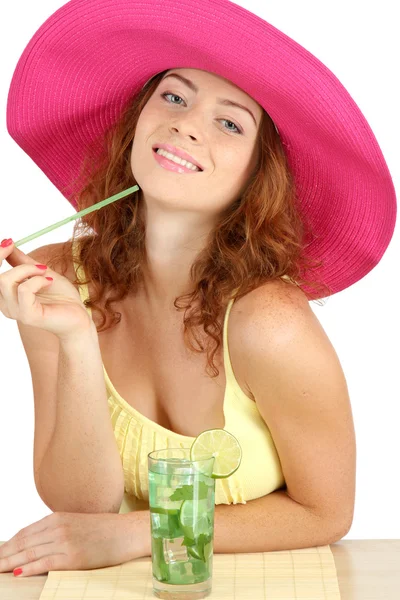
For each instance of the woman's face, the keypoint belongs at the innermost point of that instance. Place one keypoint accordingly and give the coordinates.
(220, 137)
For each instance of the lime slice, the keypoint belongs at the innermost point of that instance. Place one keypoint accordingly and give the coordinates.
(160, 510)
(193, 518)
(223, 446)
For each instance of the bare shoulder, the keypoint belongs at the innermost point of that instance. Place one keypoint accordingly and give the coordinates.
(270, 314)
(271, 326)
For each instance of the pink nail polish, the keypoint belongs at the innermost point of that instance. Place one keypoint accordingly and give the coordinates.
(17, 572)
(6, 243)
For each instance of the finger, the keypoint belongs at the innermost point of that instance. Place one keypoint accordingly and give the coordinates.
(19, 301)
(15, 256)
(6, 248)
(30, 309)
(35, 548)
(14, 277)
(12, 545)
(51, 562)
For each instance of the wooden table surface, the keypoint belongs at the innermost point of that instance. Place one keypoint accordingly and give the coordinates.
(366, 569)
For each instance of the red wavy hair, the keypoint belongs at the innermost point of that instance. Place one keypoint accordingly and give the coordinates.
(260, 237)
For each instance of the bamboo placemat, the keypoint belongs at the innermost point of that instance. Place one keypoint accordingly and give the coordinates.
(306, 574)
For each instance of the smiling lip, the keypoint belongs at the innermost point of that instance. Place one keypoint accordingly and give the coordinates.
(170, 165)
(179, 153)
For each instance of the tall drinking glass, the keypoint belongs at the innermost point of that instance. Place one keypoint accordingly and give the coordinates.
(182, 502)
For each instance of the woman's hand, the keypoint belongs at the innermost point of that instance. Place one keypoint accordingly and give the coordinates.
(27, 296)
(74, 541)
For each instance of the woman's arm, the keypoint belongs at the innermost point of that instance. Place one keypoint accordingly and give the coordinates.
(81, 469)
(300, 391)
(90, 541)
(273, 522)
(77, 467)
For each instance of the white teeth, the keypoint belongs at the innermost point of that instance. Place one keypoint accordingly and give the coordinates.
(176, 159)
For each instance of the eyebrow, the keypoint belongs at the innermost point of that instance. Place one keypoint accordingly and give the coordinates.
(223, 101)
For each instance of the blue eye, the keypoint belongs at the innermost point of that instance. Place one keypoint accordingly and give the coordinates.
(238, 131)
(170, 94)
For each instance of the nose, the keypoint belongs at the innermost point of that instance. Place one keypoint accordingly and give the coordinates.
(189, 125)
(181, 131)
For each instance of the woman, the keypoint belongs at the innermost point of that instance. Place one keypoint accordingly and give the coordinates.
(263, 227)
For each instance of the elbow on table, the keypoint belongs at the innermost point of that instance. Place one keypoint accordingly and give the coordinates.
(90, 504)
(59, 501)
(339, 532)
(89, 508)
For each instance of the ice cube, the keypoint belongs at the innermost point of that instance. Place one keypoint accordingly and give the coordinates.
(184, 478)
(174, 551)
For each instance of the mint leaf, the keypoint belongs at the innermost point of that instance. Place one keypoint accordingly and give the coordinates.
(200, 547)
(187, 541)
(174, 526)
(186, 492)
(183, 493)
(208, 550)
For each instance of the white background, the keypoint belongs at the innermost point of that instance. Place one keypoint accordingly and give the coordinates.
(357, 41)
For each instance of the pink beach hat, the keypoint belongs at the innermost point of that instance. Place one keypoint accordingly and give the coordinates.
(91, 57)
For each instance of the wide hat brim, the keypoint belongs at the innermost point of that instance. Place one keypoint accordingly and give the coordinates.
(84, 63)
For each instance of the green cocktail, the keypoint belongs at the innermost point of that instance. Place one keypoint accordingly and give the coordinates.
(182, 502)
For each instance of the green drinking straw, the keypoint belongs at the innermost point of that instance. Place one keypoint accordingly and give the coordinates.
(83, 212)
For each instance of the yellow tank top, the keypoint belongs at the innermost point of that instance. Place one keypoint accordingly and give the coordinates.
(260, 471)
